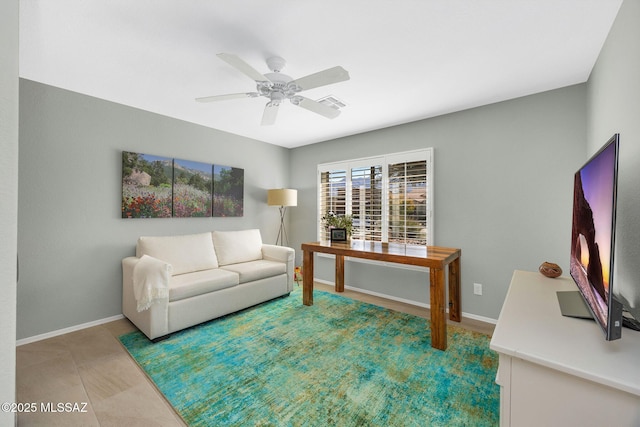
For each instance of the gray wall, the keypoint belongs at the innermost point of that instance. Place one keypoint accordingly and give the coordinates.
(503, 191)
(502, 186)
(71, 237)
(614, 106)
(9, 197)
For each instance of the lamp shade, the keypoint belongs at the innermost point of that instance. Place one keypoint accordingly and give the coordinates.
(282, 197)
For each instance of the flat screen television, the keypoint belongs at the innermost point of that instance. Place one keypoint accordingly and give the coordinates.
(593, 242)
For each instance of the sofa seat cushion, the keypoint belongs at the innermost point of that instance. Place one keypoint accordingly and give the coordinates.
(255, 270)
(189, 285)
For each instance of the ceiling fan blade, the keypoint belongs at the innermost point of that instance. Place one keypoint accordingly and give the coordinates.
(270, 114)
(243, 67)
(227, 96)
(322, 78)
(316, 107)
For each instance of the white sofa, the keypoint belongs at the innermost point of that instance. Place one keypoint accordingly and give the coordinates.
(209, 275)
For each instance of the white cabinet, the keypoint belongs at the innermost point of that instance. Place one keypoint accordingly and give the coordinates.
(560, 371)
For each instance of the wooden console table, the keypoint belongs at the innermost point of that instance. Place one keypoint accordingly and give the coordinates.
(434, 257)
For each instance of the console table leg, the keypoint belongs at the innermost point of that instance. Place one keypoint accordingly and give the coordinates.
(454, 290)
(307, 278)
(437, 300)
(339, 273)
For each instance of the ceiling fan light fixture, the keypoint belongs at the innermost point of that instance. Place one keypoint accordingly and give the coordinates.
(277, 97)
(277, 87)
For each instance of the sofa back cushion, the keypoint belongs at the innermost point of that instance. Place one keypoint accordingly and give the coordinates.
(233, 247)
(186, 253)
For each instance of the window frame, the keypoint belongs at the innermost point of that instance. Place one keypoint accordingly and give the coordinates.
(385, 160)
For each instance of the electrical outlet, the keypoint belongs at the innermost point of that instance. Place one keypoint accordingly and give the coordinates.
(477, 288)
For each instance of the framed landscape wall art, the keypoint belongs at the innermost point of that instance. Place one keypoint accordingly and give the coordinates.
(228, 191)
(162, 187)
(192, 188)
(146, 186)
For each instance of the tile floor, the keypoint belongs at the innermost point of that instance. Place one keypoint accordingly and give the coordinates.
(88, 367)
(91, 372)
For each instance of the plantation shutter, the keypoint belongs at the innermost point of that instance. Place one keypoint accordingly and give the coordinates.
(389, 197)
(366, 202)
(408, 202)
(332, 196)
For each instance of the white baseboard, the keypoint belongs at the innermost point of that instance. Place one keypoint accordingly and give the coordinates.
(407, 301)
(75, 328)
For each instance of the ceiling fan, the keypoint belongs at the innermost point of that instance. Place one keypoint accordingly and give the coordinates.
(277, 87)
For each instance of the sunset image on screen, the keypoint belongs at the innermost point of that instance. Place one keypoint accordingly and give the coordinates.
(597, 185)
(584, 251)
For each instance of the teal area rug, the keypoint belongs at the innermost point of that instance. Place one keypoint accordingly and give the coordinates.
(339, 362)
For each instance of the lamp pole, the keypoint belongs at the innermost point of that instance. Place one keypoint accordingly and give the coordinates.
(282, 233)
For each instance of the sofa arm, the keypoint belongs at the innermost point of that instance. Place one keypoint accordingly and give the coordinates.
(278, 253)
(281, 254)
(153, 322)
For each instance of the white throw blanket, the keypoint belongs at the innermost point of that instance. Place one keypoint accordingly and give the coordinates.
(150, 281)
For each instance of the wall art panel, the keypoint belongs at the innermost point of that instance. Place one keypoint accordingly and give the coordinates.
(146, 186)
(192, 188)
(228, 191)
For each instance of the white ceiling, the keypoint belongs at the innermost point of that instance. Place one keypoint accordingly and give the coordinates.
(408, 59)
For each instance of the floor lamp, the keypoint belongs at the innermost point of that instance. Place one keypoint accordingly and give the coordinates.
(282, 197)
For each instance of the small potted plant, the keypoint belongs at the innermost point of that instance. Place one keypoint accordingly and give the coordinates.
(331, 220)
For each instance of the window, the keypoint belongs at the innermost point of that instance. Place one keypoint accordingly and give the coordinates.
(332, 195)
(366, 202)
(390, 198)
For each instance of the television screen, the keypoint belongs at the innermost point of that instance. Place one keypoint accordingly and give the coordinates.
(593, 236)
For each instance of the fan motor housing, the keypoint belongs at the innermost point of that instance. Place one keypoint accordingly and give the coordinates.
(280, 87)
